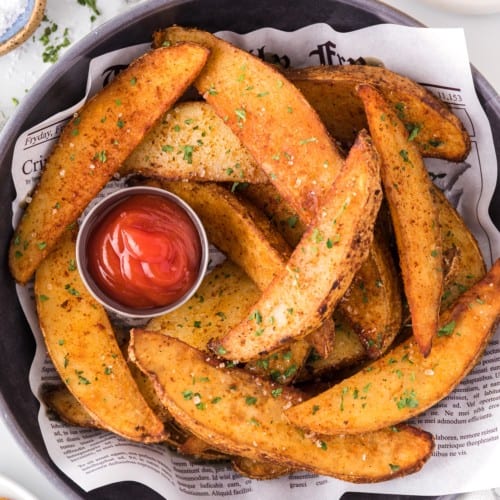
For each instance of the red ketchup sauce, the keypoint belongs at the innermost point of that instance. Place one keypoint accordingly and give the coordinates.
(145, 252)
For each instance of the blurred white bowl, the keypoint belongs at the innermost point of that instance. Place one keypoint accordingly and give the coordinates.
(11, 490)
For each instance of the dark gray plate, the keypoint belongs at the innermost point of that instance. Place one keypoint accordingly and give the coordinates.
(64, 85)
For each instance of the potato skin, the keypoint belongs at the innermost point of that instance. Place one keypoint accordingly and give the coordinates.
(332, 92)
(321, 267)
(241, 414)
(94, 144)
(190, 142)
(408, 191)
(270, 116)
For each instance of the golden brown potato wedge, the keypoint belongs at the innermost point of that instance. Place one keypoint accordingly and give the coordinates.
(321, 267)
(347, 351)
(60, 400)
(82, 345)
(192, 143)
(270, 116)
(408, 191)
(468, 265)
(94, 144)
(372, 303)
(331, 90)
(403, 383)
(220, 303)
(240, 414)
(201, 450)
(255, 469)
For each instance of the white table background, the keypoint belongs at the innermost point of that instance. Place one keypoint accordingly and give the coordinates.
(21, 68)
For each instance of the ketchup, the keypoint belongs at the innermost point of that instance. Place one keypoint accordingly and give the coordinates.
(145, 252)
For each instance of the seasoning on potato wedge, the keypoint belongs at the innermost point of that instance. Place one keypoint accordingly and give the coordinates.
(94, 144)
(321, 267)
(192, 143)
(331, 90)
(270, 116)
(240, 414)
(468, 264)
(408, 191)
(404, 383)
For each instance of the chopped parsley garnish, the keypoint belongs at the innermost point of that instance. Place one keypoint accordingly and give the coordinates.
(447, 330)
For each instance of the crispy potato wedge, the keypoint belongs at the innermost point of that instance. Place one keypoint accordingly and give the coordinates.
(94, 144)
(321, 267)
(372, 303)
(255, 469)
(468, 264)
(240, 414)
(220, 303)
(192, 143)
(408, 191)
(201, 450)
(237, 228)
(270, 116)
(81, 343)
(347, 351)
(62, 402)
(331, 90)
(404, 383)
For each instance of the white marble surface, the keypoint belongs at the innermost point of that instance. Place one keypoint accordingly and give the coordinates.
(22, 67)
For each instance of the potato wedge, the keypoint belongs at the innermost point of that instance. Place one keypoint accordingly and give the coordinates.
(60, 400)
(83, 348)
(201, 450)
(94, 144)
(255, 469)
(242, 415)
(347, 351)
(408, 191)
(321, 267)
(468, 265)
(220, 303)
(372, 303)
(270, 116)
(331, 90)
(192, 143)
(404, 383)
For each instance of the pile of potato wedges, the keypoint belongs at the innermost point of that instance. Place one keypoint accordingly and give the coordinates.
(353, 296)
